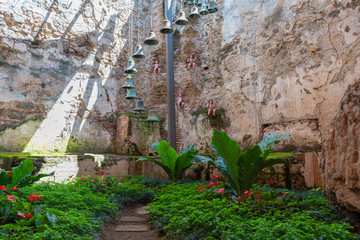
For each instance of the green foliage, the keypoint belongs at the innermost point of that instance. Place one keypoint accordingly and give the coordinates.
(187, 213)
(20, 175)
(74, 210)
(173, 164)
(242, 168)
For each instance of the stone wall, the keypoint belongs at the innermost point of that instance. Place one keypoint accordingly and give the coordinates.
(341, 161)
(60, 65)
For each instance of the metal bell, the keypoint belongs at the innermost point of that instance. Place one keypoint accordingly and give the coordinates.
(140, 106)
(195, 2)
(131, 67)
(166, 29)
(181, 19)
(199, 3)
(139, 53)
(151, 40)
(128, 83)
(131, 94)
(191, 2)
(204, 10)
(152, 117)
(194, 13)
(213, 8)
(185, 2)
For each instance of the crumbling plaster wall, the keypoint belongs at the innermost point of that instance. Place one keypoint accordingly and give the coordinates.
(60, 62)
(274, 66)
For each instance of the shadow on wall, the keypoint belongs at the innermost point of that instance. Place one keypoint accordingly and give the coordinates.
(76, 112)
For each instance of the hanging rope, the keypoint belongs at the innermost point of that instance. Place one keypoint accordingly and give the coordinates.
(151, 16)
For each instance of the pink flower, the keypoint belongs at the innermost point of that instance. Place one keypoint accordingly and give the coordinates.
(11, 198)
(28, 215)
(220, 190)
(82, 178)
(92, 180)
(21, 214)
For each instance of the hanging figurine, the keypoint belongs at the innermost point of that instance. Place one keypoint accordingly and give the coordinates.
(180, 101)
(191, 62)
(157, 67)
(211, 107)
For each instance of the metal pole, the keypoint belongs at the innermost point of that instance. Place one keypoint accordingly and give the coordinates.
(170, 80)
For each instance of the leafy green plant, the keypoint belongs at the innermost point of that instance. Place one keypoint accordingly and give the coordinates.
(20, 175)
(242, 168)
(173, 164)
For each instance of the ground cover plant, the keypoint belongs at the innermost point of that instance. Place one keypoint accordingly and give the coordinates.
(74, 209)
(211, 211)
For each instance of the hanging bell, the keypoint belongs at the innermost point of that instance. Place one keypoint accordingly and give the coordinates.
(204, 10)
(195, 2)
(128, 83)
(166, 29)
(131, 67)
(151, 40)
(131, 94)
(152, 117)
(194, 13)
(191, 2)
(181, 19)
(140, 106)
(185, 2)
(139, 53)
(199, 3)
(213, 8)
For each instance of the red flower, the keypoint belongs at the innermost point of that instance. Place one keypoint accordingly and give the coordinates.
(271, 181)
(199, 189)
(217, 184)
(28, 215)
(261, 185)
(71, 176)
(262, 200)
(229, 197)
(257, 196)
(15, 189)
(11, 198)
(122, 180)
(35, 197)
(92, 180)
(220, 190)
(21, 214)
(214, 176)
(73, 182)
(2, 187)
(101, 172)
(82, 178)
(239, 198)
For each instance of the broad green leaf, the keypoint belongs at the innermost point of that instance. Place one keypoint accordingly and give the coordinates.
(21, 172)
(168, 155)
(4, 178)
(166, 168)
(38, 223)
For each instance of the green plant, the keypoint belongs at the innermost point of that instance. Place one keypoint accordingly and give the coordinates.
(20, 175)
(242, 168)
(173, 164)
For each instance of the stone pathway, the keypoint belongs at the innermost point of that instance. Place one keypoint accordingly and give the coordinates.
(132, 224)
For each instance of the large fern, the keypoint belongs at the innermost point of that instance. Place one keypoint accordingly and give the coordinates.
(173, 164)
(242, 168)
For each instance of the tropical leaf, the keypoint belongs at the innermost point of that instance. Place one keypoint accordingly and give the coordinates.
(184, 161)
(4, 178)
(228, 152)
(168, 155)
(21, 172)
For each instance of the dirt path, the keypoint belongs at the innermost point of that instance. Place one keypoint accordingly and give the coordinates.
(131, 224)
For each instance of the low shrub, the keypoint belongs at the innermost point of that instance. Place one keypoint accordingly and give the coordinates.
(213, 211)
(81, 206)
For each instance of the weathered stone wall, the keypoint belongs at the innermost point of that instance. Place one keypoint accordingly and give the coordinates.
(60, 65)
(341, 161)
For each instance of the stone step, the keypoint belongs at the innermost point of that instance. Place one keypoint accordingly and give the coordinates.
(132, 228)
(133, 219)
(142, 210)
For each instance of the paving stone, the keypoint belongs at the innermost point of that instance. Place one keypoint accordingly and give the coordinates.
(132, 228)
(133, 219)
(142, 210)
